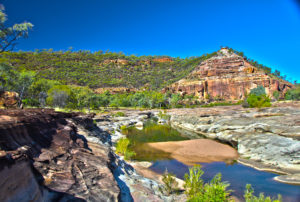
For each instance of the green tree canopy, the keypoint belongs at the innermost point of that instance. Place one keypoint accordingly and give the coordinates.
(9, 35)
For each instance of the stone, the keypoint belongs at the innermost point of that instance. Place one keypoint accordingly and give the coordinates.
(267, 137)
(9, 99)
(227, 76)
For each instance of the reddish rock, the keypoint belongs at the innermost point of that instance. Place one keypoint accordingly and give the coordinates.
(164, 59)
(228, 77)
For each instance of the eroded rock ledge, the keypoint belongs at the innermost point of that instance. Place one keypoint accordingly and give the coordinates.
(267, 139)
(46, 157)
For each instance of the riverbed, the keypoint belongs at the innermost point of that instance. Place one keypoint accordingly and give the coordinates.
(157, 144)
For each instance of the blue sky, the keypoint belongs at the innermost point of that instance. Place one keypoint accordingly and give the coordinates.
(265, 30)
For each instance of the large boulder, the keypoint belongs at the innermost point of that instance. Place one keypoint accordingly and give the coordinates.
(9, 99)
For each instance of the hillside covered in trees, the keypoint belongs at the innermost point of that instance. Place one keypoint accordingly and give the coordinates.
(100, 69)
(108, 69)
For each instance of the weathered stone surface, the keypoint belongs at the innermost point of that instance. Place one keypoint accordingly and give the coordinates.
(58, 155)
(9, 99)
(133, 185)
(227, 77)
(267, 136)
(164, 59)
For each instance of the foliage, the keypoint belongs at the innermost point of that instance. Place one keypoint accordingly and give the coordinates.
(122, 148)
(119, 114)
(249, 197)
(170, 183)
(9, 35)
(258, 91)
(196, 190)
(276, 95)
(214, 104)
(293, 94)
(84, 68)
(163, 115)
(258, 101)
(193, 181)
(257, 98)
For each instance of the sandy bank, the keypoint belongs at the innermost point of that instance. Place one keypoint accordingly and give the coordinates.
(196, 151)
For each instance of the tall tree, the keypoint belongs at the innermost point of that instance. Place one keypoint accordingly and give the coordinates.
(9, 35)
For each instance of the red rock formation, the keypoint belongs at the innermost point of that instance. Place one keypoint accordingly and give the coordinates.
(45, 151)
(164, 59)
(228, 77)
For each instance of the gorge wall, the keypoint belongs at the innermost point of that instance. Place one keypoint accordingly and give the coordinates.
(227, 76)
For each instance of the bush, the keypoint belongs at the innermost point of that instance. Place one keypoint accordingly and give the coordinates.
(122, 145)
(119, 114)
(249, 197)
(276, 95)
(293, 94)
(258, 101)
(260, 90)
(257, 98)
(170, 183)
(122, 148)
(196, 190)
(193, 181)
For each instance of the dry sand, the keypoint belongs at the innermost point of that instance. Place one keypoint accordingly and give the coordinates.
(195, 151)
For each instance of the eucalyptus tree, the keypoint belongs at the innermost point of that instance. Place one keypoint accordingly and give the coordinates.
(10, 34)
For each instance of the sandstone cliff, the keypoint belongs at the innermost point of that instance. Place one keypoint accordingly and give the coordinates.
(227, 76)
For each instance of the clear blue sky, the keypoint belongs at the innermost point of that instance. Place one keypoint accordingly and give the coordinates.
(265, 30)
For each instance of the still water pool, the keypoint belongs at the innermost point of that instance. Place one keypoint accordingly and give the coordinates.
(236, 174)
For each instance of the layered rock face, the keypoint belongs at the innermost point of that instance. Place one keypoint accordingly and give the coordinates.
(226, 76)
(268, 137)
(45, 156)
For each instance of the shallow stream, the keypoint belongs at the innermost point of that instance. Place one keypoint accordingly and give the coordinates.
(236, 174)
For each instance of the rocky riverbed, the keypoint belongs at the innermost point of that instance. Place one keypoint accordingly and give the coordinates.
(53, 156)
(267, 139)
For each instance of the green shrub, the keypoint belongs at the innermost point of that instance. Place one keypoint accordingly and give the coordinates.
(276, 95)
(293, 94)
(170, 183)
(196, 190)
(260, 90)
(123, 127)
(193, 181)
(119, 114)
(122, 145)
(122, 148)
(258, 101)
(163, 115)
(129, 154)
(249, 197)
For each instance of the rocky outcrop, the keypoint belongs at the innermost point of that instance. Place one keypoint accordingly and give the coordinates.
(45, 156)
(267, 138)
(116, 61)
(9, 99)
(227, 76)
(163, 59)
